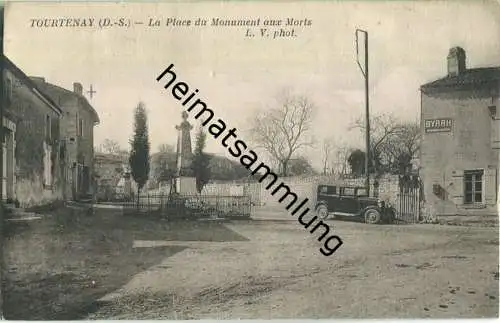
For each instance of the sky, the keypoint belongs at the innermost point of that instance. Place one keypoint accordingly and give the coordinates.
(237, 75)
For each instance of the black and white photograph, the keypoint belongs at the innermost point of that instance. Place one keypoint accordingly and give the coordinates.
(227, 160)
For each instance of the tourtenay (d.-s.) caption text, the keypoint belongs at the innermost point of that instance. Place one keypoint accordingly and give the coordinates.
(252, 28)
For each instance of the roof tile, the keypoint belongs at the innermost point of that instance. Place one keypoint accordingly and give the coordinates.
(473, 76)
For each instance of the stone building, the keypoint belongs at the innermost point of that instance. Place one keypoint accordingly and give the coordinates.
(32, 172)
(109, 170)
(460, 138)
(77, 137)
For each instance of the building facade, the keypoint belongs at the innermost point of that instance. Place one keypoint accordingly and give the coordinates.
(31, 141)
(77, 137)
(460, 147)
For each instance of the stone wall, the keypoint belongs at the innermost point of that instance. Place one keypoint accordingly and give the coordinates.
(221, 189)
(31, 192)
(253, 190)
(388, 188)
(303, 186)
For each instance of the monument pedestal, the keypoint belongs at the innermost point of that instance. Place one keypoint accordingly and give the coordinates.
(186, 185)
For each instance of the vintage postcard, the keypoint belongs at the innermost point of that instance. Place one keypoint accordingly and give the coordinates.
(250, 160)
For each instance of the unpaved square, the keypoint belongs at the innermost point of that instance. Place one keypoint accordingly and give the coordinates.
(413, 271)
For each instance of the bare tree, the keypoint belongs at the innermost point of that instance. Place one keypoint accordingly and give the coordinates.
(340, 160)
(163, 164)
(110, 146)
(402, 147)
(283, 131)
(166, 149)
(327, 154)
(392, 141)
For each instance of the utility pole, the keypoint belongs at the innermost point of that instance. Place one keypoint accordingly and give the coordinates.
(2, 102)
(364, 71)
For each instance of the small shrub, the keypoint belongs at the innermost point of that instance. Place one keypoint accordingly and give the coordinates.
(428, 214)
(7, 212)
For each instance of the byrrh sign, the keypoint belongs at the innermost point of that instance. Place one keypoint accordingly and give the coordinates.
(438, 125)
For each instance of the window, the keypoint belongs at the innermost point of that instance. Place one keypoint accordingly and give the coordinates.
(349, 191)
(80, 128)
(493, 111)
(47, 165)
(328, 190)
(362, 192)
(8, 89)
(473, 186)
(47, 127)
(4, 137)
(439, 191)
(62, 150)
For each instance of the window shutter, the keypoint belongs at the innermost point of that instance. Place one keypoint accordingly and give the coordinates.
(45, 164)
(47, 130)
(490, 185)
(81, 128)
(8, 90)
(54, 125)
(457, 187)
(49, 165)
(62, 150)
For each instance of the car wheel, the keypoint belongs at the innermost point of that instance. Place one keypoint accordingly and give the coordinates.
(322, 212)
(372, 216)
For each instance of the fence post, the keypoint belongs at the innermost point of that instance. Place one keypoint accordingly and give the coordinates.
(400, 209)
(417, 201)
(249, 203)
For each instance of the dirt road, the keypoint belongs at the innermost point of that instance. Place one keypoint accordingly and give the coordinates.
(416, 271)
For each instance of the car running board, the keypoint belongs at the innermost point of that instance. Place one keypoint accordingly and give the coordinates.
(342, 214)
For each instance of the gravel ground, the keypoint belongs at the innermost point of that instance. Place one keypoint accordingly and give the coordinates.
(412, 271)
(56, 267)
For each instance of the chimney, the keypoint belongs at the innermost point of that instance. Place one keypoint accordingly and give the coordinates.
(77, 88)
(456, 61)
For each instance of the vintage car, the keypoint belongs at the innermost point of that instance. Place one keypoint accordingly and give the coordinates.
(345, 202)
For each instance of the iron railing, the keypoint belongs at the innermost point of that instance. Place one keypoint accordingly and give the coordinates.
(408, 205)
(190, 206)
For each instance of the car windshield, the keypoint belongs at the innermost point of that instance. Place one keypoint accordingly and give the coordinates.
(349, 191)
(362, 192)
(331, 190)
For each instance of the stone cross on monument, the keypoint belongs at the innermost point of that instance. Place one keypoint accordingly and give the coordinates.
(185, 182)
